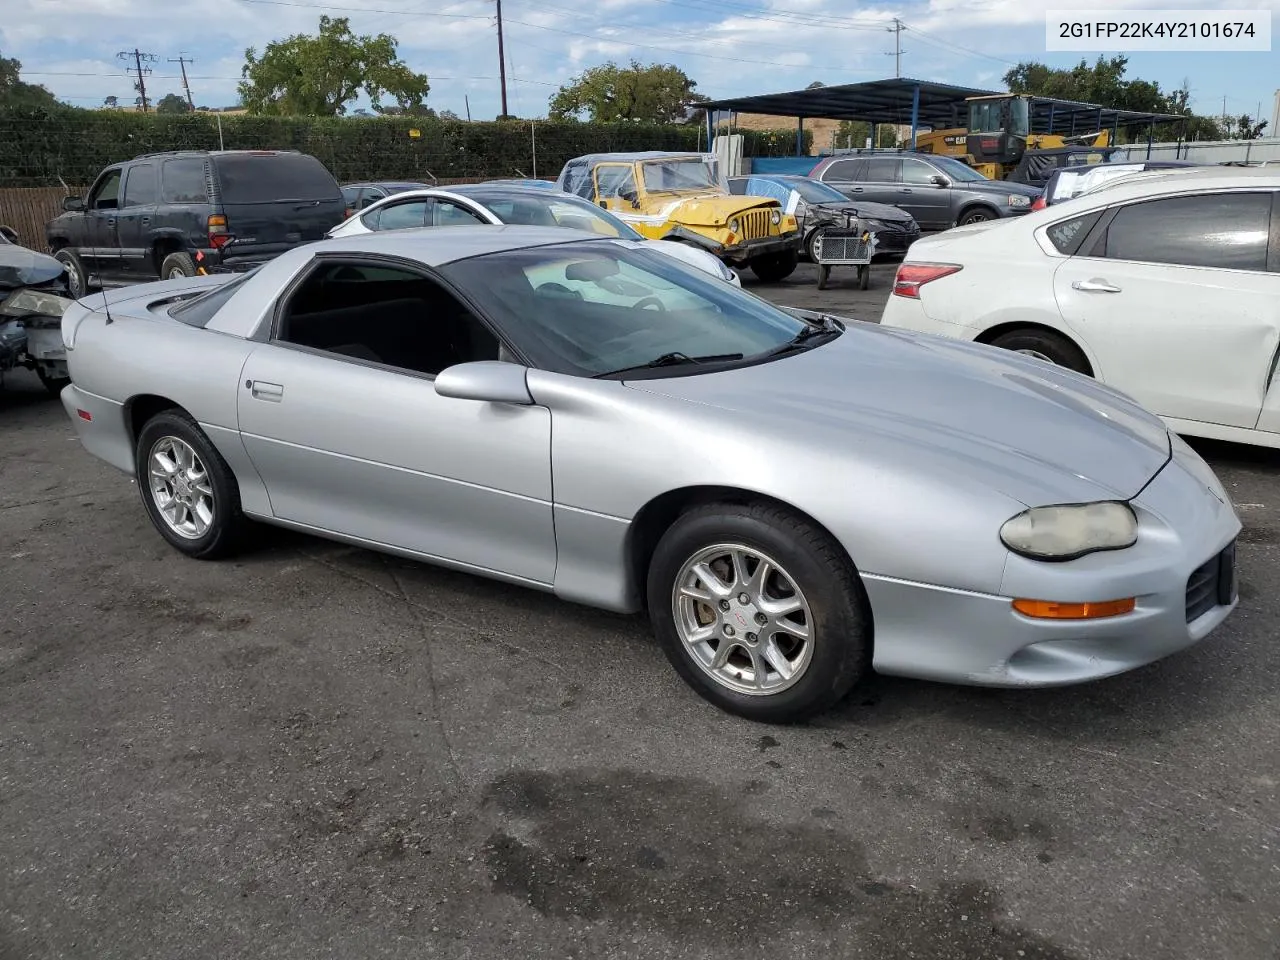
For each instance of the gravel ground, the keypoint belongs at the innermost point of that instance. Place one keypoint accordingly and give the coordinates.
(320, 752)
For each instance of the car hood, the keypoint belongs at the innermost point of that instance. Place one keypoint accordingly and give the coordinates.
(708, 209)
(1036, 433)
(998, 186)
(865, 208)
(21, 267)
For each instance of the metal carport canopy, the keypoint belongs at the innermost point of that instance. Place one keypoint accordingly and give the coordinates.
(877, 101)
(941, 106)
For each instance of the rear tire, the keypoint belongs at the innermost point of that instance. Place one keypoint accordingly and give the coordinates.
(774, 267)
(1045, 345)
(210, 525)
(176, 266)
(826, 600)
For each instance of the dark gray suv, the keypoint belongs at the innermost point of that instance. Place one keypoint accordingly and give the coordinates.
(940, 192)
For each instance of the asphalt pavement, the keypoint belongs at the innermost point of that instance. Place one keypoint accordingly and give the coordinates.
(319, 752)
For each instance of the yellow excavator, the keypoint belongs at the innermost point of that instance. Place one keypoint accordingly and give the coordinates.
(998, 134)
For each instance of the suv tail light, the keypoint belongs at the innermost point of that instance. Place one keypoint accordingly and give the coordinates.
(912, 276)
(1039, 203)
(217, 229)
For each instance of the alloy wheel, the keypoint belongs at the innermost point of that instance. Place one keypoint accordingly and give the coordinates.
(743, 619)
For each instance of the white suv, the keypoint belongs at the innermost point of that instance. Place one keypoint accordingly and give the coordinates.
(1166, 288)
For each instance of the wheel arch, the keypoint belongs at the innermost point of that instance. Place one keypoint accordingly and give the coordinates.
(657, 516)
(162, 246)
(990, 334)
(141, 407)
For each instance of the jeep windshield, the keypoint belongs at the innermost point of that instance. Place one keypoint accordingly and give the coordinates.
(682, 173)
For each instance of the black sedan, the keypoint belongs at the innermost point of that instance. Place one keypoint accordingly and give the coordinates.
(809, 200)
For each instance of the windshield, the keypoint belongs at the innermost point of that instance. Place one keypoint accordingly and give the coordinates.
(815, 192)
(591, 308)
(956, 169)
(682, 173)
(556, 211)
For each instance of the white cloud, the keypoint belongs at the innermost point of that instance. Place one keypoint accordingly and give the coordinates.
(731, 47)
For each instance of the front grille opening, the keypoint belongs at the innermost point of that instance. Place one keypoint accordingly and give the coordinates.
(1212, 584)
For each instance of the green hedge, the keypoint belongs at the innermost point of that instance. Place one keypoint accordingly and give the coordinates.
(39, 147)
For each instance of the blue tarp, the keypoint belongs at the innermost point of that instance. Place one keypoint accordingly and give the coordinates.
(798, 166)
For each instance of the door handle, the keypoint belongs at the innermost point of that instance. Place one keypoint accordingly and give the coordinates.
(1094, 286)
(904, 189)
(111, 221)
(262, 390)
(145, 221)
(857, 189)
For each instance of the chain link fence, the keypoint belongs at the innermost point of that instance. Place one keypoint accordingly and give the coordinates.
(46, 156)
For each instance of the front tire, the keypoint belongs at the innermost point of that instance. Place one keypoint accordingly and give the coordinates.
(55, 385)
(177, 265)
(77, 278)
(976, 215)
(795, 645)
(774, 267)
(1045, 345)
(187, 489)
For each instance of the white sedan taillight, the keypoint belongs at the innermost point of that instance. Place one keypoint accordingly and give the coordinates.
(912, 276)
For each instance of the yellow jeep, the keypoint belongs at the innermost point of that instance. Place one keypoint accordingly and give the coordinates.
(679, 196)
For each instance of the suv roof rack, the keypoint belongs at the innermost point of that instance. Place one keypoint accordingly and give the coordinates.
(201, 153)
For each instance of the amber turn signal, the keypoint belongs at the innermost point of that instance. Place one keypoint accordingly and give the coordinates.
(1051, 610)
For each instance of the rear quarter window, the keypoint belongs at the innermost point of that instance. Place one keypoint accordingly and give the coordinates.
(1067, 235)
(183, 181)
(274, 178)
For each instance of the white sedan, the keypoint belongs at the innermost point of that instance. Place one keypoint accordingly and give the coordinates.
(1164, 287)
(504, 202)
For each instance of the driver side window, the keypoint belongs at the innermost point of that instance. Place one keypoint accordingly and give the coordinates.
(614, 180)
(106, 195)
(384, 315)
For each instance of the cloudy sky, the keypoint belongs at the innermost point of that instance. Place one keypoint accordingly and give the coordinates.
(730, 47)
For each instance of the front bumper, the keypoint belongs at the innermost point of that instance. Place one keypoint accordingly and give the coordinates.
(760, 247)
(936, 633)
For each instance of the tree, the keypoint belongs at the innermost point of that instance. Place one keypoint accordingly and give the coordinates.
(658, 93)
(15, 93)
(319, 75)
(172, 103)
(854, 133)
(111, 103)
(1243, 128)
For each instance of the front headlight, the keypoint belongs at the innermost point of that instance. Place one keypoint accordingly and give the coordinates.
(1018, 202)
(733, 224)
(776, 216)
(1071, 530)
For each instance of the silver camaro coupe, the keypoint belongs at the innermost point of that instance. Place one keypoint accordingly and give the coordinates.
(794, 499)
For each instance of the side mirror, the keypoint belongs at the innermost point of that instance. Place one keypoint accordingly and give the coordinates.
(938, 180)
(491, 381)
(72, 203)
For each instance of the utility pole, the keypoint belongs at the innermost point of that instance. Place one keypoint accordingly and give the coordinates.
(896, 30)
(139, 84)
(182, 63)
(502, 61)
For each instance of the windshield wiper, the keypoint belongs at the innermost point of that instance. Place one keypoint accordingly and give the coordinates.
(826, 327)
(674, 359)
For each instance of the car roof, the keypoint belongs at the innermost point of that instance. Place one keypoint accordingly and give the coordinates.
(500, 188)
(437, 246)
(1149, 184)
